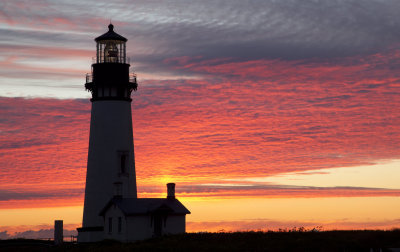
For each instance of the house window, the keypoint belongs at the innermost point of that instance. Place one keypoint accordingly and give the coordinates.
(119, 224)
(110, 225)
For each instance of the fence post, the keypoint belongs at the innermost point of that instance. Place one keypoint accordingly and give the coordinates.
(58, 232)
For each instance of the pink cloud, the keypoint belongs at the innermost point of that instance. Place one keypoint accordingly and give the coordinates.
(194, 134)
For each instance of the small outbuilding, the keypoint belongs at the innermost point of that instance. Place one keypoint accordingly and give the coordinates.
(132, 219)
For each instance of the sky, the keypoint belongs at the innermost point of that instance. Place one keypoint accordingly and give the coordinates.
(266, 114)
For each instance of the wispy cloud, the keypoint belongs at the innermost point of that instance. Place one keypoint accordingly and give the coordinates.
(199, 134)
(242, 32)
(238, 190)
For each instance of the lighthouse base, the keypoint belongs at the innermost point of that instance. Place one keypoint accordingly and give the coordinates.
(90, 234)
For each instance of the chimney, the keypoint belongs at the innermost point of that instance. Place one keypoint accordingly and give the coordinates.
(171, 191)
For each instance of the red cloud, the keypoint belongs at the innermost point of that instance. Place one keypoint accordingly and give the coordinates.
(245, 119)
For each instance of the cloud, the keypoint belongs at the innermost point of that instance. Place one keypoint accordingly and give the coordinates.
(37, 141)
(237, 30)
(37, 234)
(269, 29)
(67, 193)
(4, 235)
(43, 231)
(269, 107)
(42, 234)
(238, 189)
(243, 119)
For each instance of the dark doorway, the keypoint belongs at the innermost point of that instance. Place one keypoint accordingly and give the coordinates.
(157, 225)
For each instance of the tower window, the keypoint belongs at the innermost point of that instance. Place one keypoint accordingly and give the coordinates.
(123, 162)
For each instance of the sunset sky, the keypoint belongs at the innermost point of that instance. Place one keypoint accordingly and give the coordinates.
(266, 114)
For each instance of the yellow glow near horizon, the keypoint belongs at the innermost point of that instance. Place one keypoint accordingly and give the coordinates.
(382, 175)
(300, 209)
(40, 216)
(335, 212)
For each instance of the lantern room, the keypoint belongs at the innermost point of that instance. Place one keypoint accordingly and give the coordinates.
(110, 47)
(110, 78)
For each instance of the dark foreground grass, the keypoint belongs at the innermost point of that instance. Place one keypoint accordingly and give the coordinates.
(240, 241)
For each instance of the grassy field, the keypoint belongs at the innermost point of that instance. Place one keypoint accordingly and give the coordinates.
(239, 241)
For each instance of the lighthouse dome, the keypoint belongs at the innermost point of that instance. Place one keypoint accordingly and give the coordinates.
(110, 35)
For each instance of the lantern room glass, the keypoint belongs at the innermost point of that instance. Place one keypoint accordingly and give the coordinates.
(111, 51)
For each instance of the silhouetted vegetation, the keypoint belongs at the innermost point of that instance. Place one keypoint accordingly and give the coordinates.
(284, 240)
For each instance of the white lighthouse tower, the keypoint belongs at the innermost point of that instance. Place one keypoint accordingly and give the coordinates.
(112, 209)
(111, 163)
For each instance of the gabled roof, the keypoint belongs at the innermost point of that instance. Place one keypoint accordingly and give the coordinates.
(110, 35)
(132, 206)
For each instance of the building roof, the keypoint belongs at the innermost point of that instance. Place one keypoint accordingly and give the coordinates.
(110, 35)
(134, 206)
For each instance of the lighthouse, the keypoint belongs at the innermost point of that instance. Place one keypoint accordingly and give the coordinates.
(111, 176)
(111, 163)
